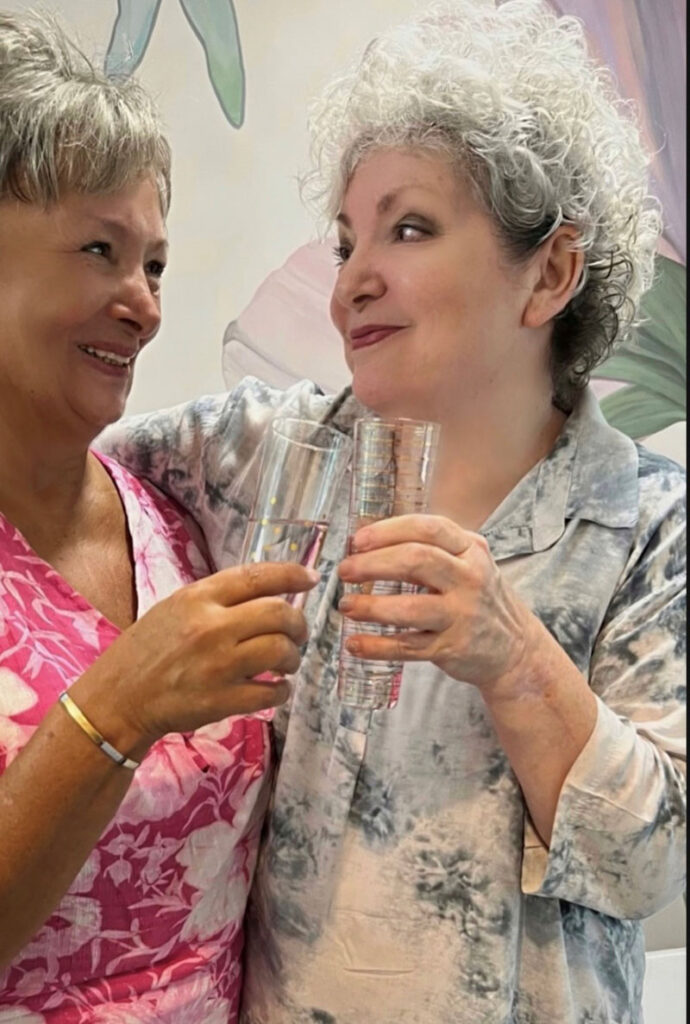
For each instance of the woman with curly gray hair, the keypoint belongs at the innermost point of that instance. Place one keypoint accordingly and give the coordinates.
(113, 649)
(484, 851)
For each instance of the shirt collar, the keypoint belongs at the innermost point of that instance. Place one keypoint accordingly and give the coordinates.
(590, 473)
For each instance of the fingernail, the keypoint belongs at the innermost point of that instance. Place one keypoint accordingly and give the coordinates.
(313, 575)
(353, 645)
(345, 604)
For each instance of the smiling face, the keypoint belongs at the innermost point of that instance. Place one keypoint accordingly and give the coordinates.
(428, 304)
(80, 286)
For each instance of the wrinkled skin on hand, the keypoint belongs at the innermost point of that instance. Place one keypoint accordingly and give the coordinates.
(469, 622)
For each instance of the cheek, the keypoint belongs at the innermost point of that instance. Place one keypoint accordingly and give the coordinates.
(337, 314)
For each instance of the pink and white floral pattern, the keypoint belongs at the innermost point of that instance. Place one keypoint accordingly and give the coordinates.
(151, 929)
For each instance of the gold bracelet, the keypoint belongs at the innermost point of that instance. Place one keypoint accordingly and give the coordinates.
(94, 735)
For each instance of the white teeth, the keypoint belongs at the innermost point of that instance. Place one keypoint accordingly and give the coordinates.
(107, 357)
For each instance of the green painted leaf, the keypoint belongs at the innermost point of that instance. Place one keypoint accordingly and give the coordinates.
(653, 362)
(639, 412)
(215, 25)
(653, 374)
(130, 36)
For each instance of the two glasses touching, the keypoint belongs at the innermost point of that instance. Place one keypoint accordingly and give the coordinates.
(303, 462)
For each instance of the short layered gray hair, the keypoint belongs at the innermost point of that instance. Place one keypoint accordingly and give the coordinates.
(512, 98)
(64, 125)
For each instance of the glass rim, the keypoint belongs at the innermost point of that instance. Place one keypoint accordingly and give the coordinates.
(367, 426)
(392, 421)
(338, 440)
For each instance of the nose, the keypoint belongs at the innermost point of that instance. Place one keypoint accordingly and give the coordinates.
(138, 305)
(360, 280)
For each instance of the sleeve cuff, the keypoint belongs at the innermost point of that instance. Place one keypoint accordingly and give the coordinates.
(597, 798)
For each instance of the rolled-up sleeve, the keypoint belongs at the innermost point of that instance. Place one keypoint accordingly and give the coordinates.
(618, 842)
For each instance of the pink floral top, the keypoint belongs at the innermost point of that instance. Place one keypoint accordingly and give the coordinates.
(151, 929)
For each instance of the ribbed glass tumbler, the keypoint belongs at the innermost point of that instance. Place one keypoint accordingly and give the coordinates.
(392, 469)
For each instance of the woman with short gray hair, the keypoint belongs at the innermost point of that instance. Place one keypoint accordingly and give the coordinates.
(483, 852)
(122, 885)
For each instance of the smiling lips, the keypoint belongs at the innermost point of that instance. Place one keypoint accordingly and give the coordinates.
(371, 334)
(109, 357)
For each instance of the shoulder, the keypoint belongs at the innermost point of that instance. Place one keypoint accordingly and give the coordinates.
(662, 490)
(231, 416)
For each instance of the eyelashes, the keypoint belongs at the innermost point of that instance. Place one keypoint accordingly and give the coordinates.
(104, 247)
(340, 254)
(154, 268)
(405, 231)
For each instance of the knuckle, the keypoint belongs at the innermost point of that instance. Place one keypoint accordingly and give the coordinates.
(415, 558)
(282, 647)
(277, 609)
(475, 576)
(482, 543)
(404, 646)
(193, 626)
(430, 529)
(250, 573)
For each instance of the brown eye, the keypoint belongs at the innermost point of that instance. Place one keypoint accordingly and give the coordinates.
(155, 268)
(411, 232)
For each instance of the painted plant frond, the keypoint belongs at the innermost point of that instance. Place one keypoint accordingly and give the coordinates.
(130, 37)
(215, 25)
(653, 363)
(639, 412)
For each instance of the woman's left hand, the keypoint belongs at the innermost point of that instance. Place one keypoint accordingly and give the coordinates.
(470, 623)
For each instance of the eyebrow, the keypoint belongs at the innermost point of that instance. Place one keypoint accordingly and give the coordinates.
(118, 228)
(383, 205)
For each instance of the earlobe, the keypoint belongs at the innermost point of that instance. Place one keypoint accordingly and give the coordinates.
(559, 267)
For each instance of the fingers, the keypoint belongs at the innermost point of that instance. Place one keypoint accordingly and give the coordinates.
(257, 695)
(416, 611)
(398, 647)
(423, 529)
(417, 563)
(257, 579)
(274, 652)
(264, 616)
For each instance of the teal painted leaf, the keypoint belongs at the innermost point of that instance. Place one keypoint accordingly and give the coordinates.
(215, 25)
(638, 412)
(652, 373)
(653, 362)
(130, 36)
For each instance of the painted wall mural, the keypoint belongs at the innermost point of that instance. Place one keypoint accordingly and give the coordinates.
(284, 333)
(213, 22)
(643, 42)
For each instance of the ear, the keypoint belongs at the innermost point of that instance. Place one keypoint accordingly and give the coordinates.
(557, 268)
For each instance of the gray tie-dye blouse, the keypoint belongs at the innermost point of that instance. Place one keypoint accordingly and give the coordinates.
(400, 878)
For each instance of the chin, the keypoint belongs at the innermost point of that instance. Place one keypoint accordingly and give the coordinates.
(388, 399)
(97, 418)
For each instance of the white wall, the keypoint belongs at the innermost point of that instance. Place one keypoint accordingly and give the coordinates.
(236, 214)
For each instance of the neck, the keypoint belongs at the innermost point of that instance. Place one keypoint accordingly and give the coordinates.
(43, 475)
(481, 460)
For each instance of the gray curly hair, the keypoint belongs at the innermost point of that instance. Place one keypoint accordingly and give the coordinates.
(65, 126)
(510, 95)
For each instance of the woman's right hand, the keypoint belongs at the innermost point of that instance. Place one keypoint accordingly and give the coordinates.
(192, 658)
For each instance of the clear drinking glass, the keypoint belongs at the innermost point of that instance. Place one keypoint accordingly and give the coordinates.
(301, 468)
(391, 476)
